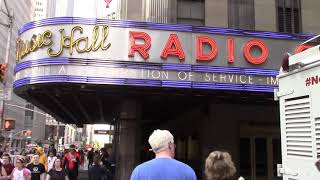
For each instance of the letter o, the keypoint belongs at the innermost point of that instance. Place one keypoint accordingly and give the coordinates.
(184, 74)
(255, 60)
(153, 74)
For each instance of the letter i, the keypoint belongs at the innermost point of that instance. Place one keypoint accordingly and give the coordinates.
(230, 50)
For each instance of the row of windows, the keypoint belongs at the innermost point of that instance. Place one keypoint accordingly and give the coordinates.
(289, 16)
(28, 112)
(241, 14)
(37, 9)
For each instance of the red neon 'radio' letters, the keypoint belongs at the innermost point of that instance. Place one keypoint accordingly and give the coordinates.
(173, 47)
(255, 60)
(230, 50)
(201, 40)
(141, 48)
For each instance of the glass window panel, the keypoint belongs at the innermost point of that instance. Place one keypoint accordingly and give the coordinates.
(245, 158)
(261, 157)
(276, 148)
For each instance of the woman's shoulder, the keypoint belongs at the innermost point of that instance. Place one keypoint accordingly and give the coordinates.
(26, 172)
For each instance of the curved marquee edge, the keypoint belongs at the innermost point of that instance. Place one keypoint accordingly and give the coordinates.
(142, 65)
(139, 82)
(160, 26)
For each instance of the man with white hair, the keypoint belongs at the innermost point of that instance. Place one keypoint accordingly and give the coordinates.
(164, 166)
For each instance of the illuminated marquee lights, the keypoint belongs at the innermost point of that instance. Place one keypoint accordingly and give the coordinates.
(199, 52)
(173, 47)
(255, 60)
(141, 48)
(98, 41)
(230, 49)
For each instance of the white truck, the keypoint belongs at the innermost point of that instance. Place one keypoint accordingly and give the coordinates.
(299, 100)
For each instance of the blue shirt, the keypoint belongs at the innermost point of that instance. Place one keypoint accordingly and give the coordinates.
(163, 169)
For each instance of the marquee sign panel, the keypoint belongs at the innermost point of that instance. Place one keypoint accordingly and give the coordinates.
(156, 54)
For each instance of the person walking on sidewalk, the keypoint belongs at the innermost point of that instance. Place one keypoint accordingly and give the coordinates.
(219, 166)
(97, 172)
(7, 165)
(57, 173)
(71, 161)
(20, 172)
(43, 159)
(90, 157)
(51, 160)
(38, 171)
(3, 173)
(164, 166)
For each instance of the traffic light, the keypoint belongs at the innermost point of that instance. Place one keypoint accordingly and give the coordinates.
(9, 124)
(3, 68)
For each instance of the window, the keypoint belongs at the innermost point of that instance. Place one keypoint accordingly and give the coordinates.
(191, 12)
(29, 115)
(289, 16)
(241, 14)
(29, 111)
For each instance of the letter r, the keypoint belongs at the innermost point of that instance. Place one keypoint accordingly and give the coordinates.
(141, 48)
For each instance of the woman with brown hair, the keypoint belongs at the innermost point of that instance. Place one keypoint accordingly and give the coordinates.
(57, 173)
(20, 172)
(219, 166)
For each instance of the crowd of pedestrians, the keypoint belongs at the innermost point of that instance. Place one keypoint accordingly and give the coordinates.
(101, 164)
(39, 166)
(50, 165)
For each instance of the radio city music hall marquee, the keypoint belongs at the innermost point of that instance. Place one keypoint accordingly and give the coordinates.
(161, 56)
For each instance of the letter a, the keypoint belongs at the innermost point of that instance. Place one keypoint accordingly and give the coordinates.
(173, 47)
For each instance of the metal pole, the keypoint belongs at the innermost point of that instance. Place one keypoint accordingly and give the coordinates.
(11, 135)
(6, 61)
(21, 107)
(58, 135)
(10, 141)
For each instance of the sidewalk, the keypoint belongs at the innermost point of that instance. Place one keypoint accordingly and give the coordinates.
(83, 175)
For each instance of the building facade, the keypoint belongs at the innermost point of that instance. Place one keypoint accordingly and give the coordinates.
(15, 108)
(99, 134)
(204, 69)
(294, 16)
(43, 9)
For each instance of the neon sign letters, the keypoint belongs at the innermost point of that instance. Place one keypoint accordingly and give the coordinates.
(98, 41)
(205, 50)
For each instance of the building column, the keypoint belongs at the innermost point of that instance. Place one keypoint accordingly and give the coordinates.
(127, 139)
(263, 22)
(221, 132)
(158, 10)
(216, 13)
(309, 12)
